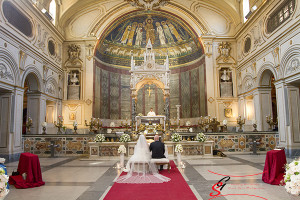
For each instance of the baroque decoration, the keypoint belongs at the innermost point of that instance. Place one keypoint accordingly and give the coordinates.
(5, 73)
(293, 66)
(74, 56)
(224, 50)
(148, 4)
(130, 34)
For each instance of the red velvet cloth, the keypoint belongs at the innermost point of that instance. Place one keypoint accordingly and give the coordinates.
(30, 164)
(176, 188)
(274, 167)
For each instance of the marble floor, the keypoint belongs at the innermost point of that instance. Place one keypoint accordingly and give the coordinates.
(71, 178)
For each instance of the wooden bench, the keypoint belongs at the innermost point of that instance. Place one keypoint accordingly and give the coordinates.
(161, 161)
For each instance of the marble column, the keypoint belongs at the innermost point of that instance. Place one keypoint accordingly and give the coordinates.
(11, 109)
(36, 109)
(133, 112)
(178, 115)
(167, 109)
(288, 107)
(263, 107)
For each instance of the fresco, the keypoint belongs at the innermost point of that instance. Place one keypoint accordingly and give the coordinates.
(129, 35)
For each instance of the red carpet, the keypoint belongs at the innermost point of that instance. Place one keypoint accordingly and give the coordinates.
(177, 188)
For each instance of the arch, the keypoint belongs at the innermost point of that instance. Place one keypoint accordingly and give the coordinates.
(8, 59)
(158, 83)
(34, 77)
(288, 55)
(264, 75)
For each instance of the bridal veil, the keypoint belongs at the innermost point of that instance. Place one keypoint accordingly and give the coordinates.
(139, 167)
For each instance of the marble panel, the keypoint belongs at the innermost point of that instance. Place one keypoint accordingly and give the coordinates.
(74, 174)
(232, 170)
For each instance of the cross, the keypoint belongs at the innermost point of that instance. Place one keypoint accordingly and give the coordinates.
(149, 90)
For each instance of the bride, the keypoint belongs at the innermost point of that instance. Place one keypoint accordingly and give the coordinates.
(139, 167)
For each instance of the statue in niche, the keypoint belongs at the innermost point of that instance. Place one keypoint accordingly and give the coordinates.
(226, 83)
(224, 76)
(74, 86)
(74, 80)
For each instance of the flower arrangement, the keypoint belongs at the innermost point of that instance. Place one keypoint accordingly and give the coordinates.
(99, 138)
(122, 149)
(176, 137)
(292, 177)
(125, 138)
(140, 114)
(188, 123)
(200, 137)
(178, 148)
(3, 183)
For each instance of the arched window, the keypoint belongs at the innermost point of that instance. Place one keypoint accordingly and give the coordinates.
(246, 9)
(280, 15)
(52, 10)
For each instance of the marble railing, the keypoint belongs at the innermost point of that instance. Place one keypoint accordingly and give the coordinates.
(76, 145)
(99, 149)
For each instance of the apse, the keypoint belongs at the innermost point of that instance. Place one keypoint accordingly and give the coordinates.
(126, 38)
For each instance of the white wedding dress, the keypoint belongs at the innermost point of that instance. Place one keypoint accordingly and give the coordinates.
(139, 167)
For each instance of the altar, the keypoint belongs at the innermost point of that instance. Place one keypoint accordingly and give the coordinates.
(148, 120)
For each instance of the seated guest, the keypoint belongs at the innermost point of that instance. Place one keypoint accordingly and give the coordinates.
(158, 149)
(151, 113)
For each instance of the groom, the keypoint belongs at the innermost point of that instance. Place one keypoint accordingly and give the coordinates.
(158, 149)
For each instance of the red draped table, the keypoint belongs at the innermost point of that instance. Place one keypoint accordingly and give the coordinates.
(274, 167)
(30, 164)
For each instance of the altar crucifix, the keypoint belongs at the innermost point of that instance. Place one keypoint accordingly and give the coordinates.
(149, 90)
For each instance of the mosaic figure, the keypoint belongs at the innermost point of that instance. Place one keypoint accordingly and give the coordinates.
(167, 32)
(125, 34)
(139, 35)
(150, 34)
(174, 31)
(131, 34)
(160, 32)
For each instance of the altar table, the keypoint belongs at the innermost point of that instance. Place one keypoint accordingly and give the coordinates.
(30, 164)
(274, 167)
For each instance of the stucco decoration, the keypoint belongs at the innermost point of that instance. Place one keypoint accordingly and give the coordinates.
(6, 74)
(293, 66)
(148, 4)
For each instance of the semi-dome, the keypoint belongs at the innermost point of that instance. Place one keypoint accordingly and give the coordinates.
(129, 35)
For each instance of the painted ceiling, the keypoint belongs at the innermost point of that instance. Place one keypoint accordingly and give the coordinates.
(129, 35)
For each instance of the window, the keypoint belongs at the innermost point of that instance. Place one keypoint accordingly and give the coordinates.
(52, 10)
(246, 9)
(16, 18)
(280, 15)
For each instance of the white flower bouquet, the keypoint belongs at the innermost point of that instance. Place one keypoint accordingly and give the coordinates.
(292, 177)
(99, 138)
(122, 149)
(125, 138)
(178, 148)
(176, 137)
(3, 183)
(200, 137)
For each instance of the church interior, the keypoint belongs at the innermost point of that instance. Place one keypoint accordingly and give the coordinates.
(217, 80)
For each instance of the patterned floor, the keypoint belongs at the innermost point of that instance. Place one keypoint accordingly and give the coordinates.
(71, 178)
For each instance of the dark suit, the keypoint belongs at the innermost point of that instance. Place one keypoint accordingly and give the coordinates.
(158, 149)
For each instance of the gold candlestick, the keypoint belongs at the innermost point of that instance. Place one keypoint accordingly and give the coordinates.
(240, 122)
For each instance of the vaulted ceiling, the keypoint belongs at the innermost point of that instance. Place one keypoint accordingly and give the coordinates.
(206, 17)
